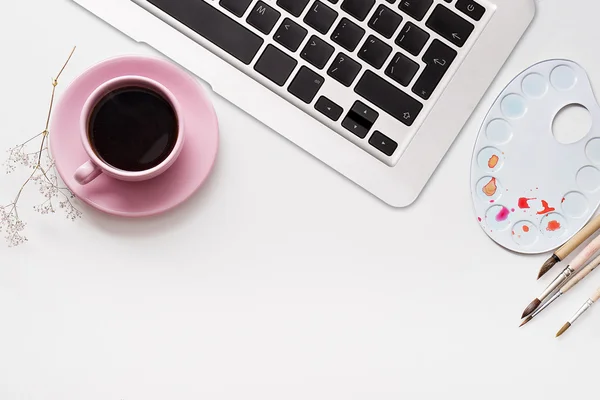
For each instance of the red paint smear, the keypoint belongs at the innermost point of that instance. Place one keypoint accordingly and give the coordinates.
(553, 226)
(490, 188)
(512, 210)
(502, 215)
(546, 209)
(493, 161)
(562, 201)
(525, 228)
(491, 201)
(524, 202)
(513, 232)
(479, 219)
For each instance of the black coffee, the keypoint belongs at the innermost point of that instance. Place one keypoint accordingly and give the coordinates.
(133, 129)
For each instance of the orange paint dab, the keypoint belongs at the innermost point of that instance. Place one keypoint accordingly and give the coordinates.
(525, 228)
(546, 209)
(490, 188)
(493, 161)
(553, 226)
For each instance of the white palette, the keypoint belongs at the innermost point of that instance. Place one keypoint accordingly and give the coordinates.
(530, 192)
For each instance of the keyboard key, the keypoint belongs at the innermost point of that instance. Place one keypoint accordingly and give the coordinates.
(275, 65)
(320, 17)
(471, 8)
(290, 34)
(355, 127)
(402, 69)
(385, 21)
(450, 25)
(317, 52)
(416, 8)
(364, 114)
(328, 108)
(383, 143)
(438, 58)
(359, 9)
(263, 17)
(412, 38)
(374, 51)
(214, 26)
(347, 34)
(344, 69)
(237, 7)
(306, 84)
(389, 98)
(294, 7)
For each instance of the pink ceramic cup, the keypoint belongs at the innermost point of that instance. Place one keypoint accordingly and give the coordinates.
(95, 166)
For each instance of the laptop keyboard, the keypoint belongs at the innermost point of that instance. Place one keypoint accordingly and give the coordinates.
(368, 69)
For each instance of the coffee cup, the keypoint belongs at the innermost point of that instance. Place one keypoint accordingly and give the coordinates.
(132, 129)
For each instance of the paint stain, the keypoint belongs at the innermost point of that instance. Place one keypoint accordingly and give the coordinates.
(502, 214)
(493, 161)
(524, 202)
(562, 201)
(491, 201)
(513, 232)
(512, 210)
(553, 225)
(547, 209)
(490, 188)
(479, 219)
(525, 228)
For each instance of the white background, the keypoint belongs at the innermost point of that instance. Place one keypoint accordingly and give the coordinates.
(279, 279)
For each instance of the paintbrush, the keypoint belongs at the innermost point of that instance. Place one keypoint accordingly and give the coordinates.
(562, 278)
(568, 286)
(570, 246)
(586, 306)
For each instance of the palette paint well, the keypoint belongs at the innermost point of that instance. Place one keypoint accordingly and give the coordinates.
(530, 192)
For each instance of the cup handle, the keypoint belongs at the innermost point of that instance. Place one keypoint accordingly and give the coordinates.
(87, 173)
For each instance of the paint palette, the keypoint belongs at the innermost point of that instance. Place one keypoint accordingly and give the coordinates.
(530, 192)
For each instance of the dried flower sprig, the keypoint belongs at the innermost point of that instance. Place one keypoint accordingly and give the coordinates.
(43, 175)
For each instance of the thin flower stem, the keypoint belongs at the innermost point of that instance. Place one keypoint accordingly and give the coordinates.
(10, 223)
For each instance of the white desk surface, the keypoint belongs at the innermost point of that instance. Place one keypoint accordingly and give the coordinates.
(279, 279)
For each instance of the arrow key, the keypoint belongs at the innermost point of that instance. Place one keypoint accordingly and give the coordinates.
(383, 143)
(329, 108)
(355, 127)
(364, 114)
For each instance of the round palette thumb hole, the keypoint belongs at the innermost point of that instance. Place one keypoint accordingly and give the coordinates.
(571, 124)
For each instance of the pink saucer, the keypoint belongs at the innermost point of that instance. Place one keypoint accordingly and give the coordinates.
(137, 199)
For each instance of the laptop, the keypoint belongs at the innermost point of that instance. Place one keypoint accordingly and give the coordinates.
(376, 89)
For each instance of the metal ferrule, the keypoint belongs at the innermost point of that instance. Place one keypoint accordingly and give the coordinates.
(560, 280)
(546, 304)
(586, 306)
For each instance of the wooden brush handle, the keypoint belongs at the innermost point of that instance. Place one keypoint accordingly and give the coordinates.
(581, 274)
(585, 254)
(579, 238)
(596, 296)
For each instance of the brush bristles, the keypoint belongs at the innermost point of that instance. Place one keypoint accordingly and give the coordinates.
(548, 265)
(526, 320)
(531, 307)
(563, 329)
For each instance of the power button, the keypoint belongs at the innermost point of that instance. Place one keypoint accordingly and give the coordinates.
(471, 9)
